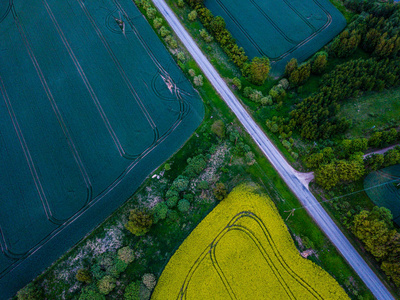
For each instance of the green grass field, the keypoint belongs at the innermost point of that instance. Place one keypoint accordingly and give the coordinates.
(383, 189)
(87, 112)
(372, 111)
(280, 30)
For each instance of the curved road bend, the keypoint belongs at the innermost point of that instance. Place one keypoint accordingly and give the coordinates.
(284, 169)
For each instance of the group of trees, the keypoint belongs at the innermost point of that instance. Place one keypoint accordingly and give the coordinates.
(255, 71)
(345, 163)
(216, 26)
(315, 117)
(375, 229)
(376, 30)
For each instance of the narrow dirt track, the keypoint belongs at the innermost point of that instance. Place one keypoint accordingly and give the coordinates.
(288, 174)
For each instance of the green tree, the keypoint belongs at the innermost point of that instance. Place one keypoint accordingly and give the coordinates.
(373, 232)
(192, 15)
(236, 82)
(195, 165)
(160, 211)
(149, 280)
(171, 202)
(326, 176)
(218, 128)
(181, 3)
(30, 292)
(181, 183)
(126, 254)
(220, 191)
(257, 71)
(392, 269)
(391, 157)
(151, 13)
(157, 23)
(183, 205)
(139, 222)
(88, 293)
(291, 66)
(319, 64)
(83, 275)
(106, 284)
(132, 291)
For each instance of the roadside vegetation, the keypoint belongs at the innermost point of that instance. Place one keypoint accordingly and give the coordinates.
(124, 257)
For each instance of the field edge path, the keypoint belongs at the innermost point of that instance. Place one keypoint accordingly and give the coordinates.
(287, 173)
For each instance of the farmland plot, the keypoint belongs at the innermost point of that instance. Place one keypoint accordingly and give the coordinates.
(383, 188)
(242, 250)
(280, 29)
(90, 103)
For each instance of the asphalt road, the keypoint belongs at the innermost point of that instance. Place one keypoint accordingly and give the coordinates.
(284, 169)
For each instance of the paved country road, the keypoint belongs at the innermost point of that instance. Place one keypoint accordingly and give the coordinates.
(284, 169)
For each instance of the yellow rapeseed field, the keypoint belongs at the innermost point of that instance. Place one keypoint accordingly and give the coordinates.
(243, 250)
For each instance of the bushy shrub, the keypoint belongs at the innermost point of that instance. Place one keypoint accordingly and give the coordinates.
(183, 205)
(181, 56)
(160, 211)
(171, 41)
(250, 158)
(206, 37)
(30, 292)
(181, 3)
(157, 23)
(247, 91)
(106, 284)
(277, 93)
(188, 197)
(195, 165)
(126, 254)
(83, 275)
(218, 128)
(151, 13)
(132, 291)
(139, 222)
(236, 82)
(284, 83)
(149, 280)
(89, 293)
(192, 72)
(202, 185)
(164, 31)
(171, 192)
(171, 202)
(118, 267)
(192, 15)
(198, 80)
(256, 96)
(181, 183)
(220, 191)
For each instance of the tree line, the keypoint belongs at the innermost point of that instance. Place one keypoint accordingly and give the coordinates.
(256, 70)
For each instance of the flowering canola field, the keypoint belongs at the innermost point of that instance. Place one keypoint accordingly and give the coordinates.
(242, 250)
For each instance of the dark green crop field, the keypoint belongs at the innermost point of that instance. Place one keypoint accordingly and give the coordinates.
(280, 29)
(387, 190)
(89, 106)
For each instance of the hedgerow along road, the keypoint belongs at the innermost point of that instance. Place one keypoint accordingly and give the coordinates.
(288, 174)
